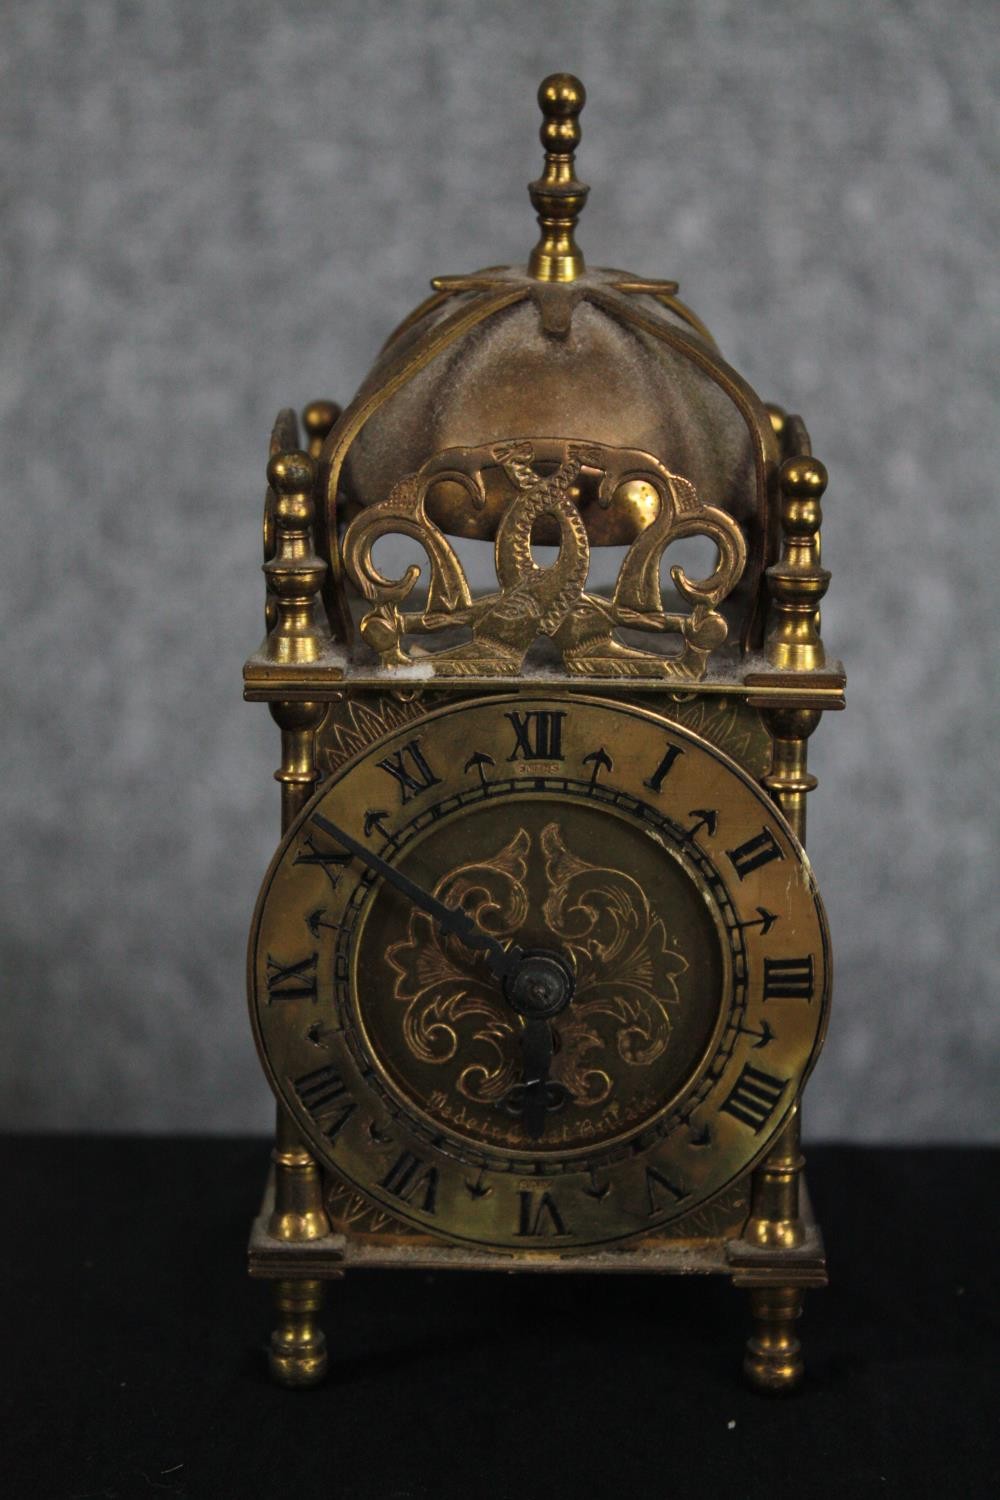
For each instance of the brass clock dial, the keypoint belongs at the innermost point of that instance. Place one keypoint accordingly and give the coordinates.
(539, 973)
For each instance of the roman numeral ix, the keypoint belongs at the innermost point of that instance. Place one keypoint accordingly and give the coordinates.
(294, 981)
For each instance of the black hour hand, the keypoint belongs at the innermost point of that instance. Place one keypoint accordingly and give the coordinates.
(504, 963)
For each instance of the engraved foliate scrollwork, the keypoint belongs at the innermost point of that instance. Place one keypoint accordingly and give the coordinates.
(544, 476)
(357, 721)
(448, 991)
(625, 974)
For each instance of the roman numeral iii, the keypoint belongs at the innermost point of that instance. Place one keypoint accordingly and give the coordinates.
(788, 978)
(754, 1097)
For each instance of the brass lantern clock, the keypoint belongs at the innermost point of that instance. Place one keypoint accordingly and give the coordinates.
(539, 970)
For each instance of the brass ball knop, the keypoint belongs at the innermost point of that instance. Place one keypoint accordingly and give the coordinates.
(318, 418)
(561, 98)
(803, 480)
(291, 473)
(803, 476)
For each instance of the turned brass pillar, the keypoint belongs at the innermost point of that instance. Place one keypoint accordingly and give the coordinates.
(294, 576)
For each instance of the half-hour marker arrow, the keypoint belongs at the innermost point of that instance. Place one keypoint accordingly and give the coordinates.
(373, 819)
(597, 1190)
(600, 759)
(477, 1189)
(314, 921)
(479, 760)
(380, 1137)
(765, 920)
(701, 1135)
(704, 817)
(764, 1035)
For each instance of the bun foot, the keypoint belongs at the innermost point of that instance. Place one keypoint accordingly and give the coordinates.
(773, 1359)
(297, 1356)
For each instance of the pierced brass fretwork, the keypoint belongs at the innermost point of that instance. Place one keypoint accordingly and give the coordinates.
(545, 475)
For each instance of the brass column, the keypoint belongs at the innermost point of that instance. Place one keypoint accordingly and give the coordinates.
(773, 1360)
(297, 1355)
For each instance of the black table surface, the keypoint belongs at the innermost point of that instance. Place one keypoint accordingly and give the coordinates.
(136, 1365)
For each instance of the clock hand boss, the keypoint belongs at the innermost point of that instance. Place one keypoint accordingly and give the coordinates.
(504, 963)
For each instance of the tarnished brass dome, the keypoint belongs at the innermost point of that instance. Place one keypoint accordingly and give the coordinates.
(551, 406)
(552, 349)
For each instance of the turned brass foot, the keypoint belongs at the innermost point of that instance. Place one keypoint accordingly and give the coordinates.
(297, 1356)
(773, 1360)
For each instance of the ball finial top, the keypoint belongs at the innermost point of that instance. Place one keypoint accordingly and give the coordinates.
(557, 196)
(561, 97)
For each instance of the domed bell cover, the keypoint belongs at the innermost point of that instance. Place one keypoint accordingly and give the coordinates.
(556, 404)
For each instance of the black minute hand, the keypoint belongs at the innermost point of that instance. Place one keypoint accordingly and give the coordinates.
(504, 962)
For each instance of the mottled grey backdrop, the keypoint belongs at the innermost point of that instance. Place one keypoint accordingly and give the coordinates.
(215, 209)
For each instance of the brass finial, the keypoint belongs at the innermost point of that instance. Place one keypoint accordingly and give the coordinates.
(557, 197)
(294, 573)
(318, 419)
(798, 582)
